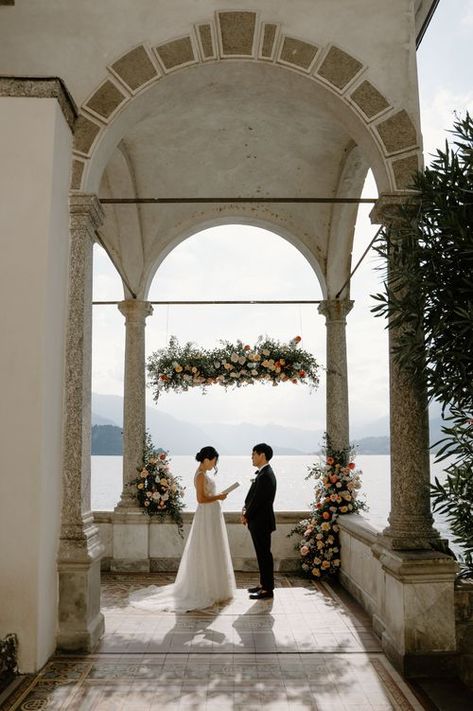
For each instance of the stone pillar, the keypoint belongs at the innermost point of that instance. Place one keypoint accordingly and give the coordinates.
(335, 313)
(134, 404)
(410, 520)
(80, 621)
(130, 528)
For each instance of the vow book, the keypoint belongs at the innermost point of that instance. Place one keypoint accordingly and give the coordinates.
(235, 485)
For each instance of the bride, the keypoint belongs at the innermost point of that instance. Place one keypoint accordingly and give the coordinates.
(205, 574)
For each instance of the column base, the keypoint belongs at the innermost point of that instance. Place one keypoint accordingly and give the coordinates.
(416, 616)
(130, 540)
(80, 621)
(409, 542)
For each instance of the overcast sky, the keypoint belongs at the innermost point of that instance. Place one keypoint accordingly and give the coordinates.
(236, 262)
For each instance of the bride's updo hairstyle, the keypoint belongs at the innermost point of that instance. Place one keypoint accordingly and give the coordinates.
(206, 453)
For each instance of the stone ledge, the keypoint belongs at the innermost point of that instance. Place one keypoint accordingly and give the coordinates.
(282, 517)
(42, 88)
(358, 527)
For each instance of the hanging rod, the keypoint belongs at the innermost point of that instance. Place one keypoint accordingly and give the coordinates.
(296, 200)
(211, 303)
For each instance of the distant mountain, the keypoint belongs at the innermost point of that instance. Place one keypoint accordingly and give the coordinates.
(372, 445)
(98, 420)
(180, 437)
(107, 439)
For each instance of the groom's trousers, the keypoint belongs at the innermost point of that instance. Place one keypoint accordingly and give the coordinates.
(262, 543)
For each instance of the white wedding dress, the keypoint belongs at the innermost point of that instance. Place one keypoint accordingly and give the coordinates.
(205, 574)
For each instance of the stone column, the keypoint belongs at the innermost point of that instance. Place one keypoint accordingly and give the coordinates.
(410, 520)
(134, 405)
(335, 313)
(80, 621)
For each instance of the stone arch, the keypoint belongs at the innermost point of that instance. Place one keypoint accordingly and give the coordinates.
(386, 133)
(232, 217)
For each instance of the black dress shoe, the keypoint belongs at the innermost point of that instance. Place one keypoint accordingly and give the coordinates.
(256, 589)
(262, 595)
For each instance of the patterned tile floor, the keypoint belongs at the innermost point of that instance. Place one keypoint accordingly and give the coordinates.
(309, 648)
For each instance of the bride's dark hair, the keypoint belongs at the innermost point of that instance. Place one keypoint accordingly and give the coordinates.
(206, 453)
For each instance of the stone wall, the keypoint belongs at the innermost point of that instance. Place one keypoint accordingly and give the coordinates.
(165, 546)
(464, 625)
(424, 618)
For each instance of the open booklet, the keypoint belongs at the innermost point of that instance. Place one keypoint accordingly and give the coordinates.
(230, 488)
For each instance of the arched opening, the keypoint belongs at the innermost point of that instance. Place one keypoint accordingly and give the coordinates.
(234, 263)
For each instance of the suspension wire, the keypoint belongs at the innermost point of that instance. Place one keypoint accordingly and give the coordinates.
(226, 302)
(109, 254)
(359, 261)
(214, 303)
(251, 200)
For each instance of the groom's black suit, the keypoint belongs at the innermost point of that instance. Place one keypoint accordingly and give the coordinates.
(259, 514)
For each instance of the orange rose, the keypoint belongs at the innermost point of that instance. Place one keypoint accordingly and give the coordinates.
(326, 515)
(247, 348)
(330, 460)
(351, 465)
(297, 339)
(302, 373)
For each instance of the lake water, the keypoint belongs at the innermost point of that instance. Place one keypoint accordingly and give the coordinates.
(293, 492)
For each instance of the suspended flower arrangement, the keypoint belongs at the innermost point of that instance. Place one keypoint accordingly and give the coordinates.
(237, 364)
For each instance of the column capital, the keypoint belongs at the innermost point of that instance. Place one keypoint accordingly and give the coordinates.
(86, 211)
(335, 309)
(386, 208)
(135, 309)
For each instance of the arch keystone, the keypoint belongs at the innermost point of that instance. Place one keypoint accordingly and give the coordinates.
(404, 170)
(86, 131)
(77, 172)
(397, 132)
(298, 53)
(106, 100)
(369, 100)
(237, 33)
(176, 53)
(205, 38)
(269, 34)
(135, 68)
(339, 68)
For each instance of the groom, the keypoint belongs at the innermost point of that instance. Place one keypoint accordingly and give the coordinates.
(258, 515)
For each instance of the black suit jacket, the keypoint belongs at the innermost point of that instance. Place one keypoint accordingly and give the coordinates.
(259, 500)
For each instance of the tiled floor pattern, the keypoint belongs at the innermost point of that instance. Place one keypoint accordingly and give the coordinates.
(306, 649)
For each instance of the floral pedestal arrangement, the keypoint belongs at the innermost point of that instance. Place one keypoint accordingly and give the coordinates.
(336, 490)
(158, 491)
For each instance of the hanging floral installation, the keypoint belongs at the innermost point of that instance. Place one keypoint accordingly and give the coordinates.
(158, 491)
(179, 367)
(336, 490)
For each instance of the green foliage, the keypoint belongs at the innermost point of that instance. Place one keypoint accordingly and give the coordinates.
(337, 482)
(179, 367)
(428, 299)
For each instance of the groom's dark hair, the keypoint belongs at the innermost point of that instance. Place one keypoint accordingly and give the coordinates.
(264, 449)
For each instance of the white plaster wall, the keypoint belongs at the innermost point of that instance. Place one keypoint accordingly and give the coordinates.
(76, 40)
(35, 145)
